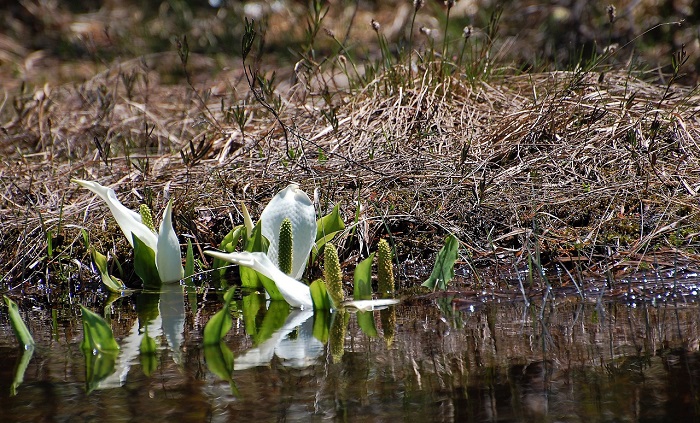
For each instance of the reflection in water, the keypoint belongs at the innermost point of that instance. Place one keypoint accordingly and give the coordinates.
(159, 314)
(501, 362)
(299, 351)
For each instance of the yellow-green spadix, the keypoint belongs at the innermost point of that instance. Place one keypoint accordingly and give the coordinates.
(164, 243)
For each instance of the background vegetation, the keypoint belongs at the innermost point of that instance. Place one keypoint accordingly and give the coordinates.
(542, 135)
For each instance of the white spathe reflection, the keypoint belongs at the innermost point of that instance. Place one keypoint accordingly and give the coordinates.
(300, 351)
(170, 322)
(172, 314)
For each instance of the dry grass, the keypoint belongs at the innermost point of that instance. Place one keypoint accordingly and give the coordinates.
(594, 172)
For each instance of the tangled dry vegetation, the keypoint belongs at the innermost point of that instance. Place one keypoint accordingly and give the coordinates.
(593, 169)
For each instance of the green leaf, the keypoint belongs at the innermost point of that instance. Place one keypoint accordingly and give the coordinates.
(18, 327)
(249, 277)
(319, 295)
(326, 228)
(20, 369)
(147, 356)
(329, 224)
(98, 367)
(189, 260)
(271, 288)
(252, 304)
(145, 265)
(189, 282)
(112, 283)
(218, 326)
(363, 279)
(257, 242)
(228, 244)
(97, 335)
(322, 325)
(444, 269)
(365, 320)
(219, 359)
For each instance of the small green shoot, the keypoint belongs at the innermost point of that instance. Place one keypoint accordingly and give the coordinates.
(363, 279)
(112, 283)
(189, 262)
(228, 244)
(444, 269)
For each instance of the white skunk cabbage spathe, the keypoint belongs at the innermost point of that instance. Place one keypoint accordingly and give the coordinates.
(293, 204)
(296, 293)
(164, 243)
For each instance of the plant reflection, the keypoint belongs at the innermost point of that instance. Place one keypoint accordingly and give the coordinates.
(159, 314)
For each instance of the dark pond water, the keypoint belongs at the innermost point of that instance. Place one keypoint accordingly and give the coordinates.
(564, 361)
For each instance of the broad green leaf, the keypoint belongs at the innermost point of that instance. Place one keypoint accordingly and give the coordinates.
(365, 320)
(444, 269)
(112, 283)
(219, 359)
(329, 224)
(319, 295)
(24, 338)
(97, 335)
(271, 288)
(20, 369)
(98, 367)
(326, 228)
(363, 279)
(322, 325)
(145, 265)
(274, 319)
(218, 326)
(147, 354)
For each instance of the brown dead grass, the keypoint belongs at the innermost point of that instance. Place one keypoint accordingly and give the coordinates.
(589, 172)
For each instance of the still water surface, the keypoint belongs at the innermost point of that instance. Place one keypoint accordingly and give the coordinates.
(566, 361)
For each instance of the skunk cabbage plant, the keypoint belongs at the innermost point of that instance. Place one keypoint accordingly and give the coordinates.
(163, 242)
